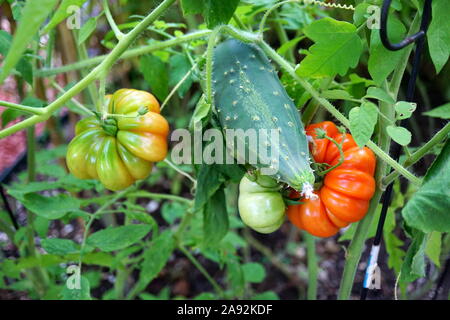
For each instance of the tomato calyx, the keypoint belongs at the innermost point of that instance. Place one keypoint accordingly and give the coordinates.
(109, 125)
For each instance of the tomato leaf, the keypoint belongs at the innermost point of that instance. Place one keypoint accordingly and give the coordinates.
(209, 180)
(433, 248)
(379, 94)
(59, 246)
(428, 209)
(155, 258)
(62, 13)
(437, 34)
(404, 109)
(86, 30)
(215, 12)
(215, 218)
(116, 238)
(362, 122)
(382, 61)
(337, 48)
(254, 272)
(54, 207)
(81, 293)
(156, 74)
(179, 67)
(442, 112)
(399, 134)
(414, 264)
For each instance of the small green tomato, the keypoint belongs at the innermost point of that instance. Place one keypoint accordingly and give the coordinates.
(261, 204)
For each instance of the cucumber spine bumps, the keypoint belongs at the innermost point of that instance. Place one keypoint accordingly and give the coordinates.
(249, 95)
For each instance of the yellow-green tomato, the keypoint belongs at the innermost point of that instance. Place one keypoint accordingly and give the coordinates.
(122, 149)
(261, 204)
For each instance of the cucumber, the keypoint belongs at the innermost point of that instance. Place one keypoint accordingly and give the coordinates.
(249, 95)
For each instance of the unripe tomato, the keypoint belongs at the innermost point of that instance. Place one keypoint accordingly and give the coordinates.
(120, 150)
(347, 189)
(261, 205)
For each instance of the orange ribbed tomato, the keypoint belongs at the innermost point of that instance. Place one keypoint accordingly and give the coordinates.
(347, 189)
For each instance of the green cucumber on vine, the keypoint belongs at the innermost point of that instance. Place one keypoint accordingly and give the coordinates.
(249, 95)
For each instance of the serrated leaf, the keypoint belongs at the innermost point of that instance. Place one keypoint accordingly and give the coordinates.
(32, 16)
(404, 109)
(59, 246)
(381, 60)
(254, 272)
(428, 208)
(379, 94)
(337, 48)
(362, 122)
(155, 73)
(437, 34)
(86, 30)
(155, 258)
(442, 112)
(54, 207)
(116, 238)
(399, 134)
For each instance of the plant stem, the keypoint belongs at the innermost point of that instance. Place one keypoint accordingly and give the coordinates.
(131, 53)
(420, 153)
(312, 266)
(205, 273)
(174, 167)
(27, 109)
(119, 35)
(39, 275)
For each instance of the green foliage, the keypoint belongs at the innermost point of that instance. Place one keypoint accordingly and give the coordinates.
(337, 48)
(399, 134)
(382, 61)
(32, 16)
(215, 12)
(116, 238)
(427, 210)
(155, 73)
(142, 242)
(362, 122)
(62, 13)
(438, 40)
(439, 112)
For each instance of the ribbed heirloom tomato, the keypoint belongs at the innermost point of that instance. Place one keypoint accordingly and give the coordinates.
(120, 150)
(261, 204)
(347, 189)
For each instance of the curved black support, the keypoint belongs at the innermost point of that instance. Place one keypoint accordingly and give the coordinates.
(408, 40)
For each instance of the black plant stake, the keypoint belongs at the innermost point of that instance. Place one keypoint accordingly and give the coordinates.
(419, 39)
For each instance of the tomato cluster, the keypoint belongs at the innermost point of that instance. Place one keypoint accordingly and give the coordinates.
(347, 189)
(121, 149)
